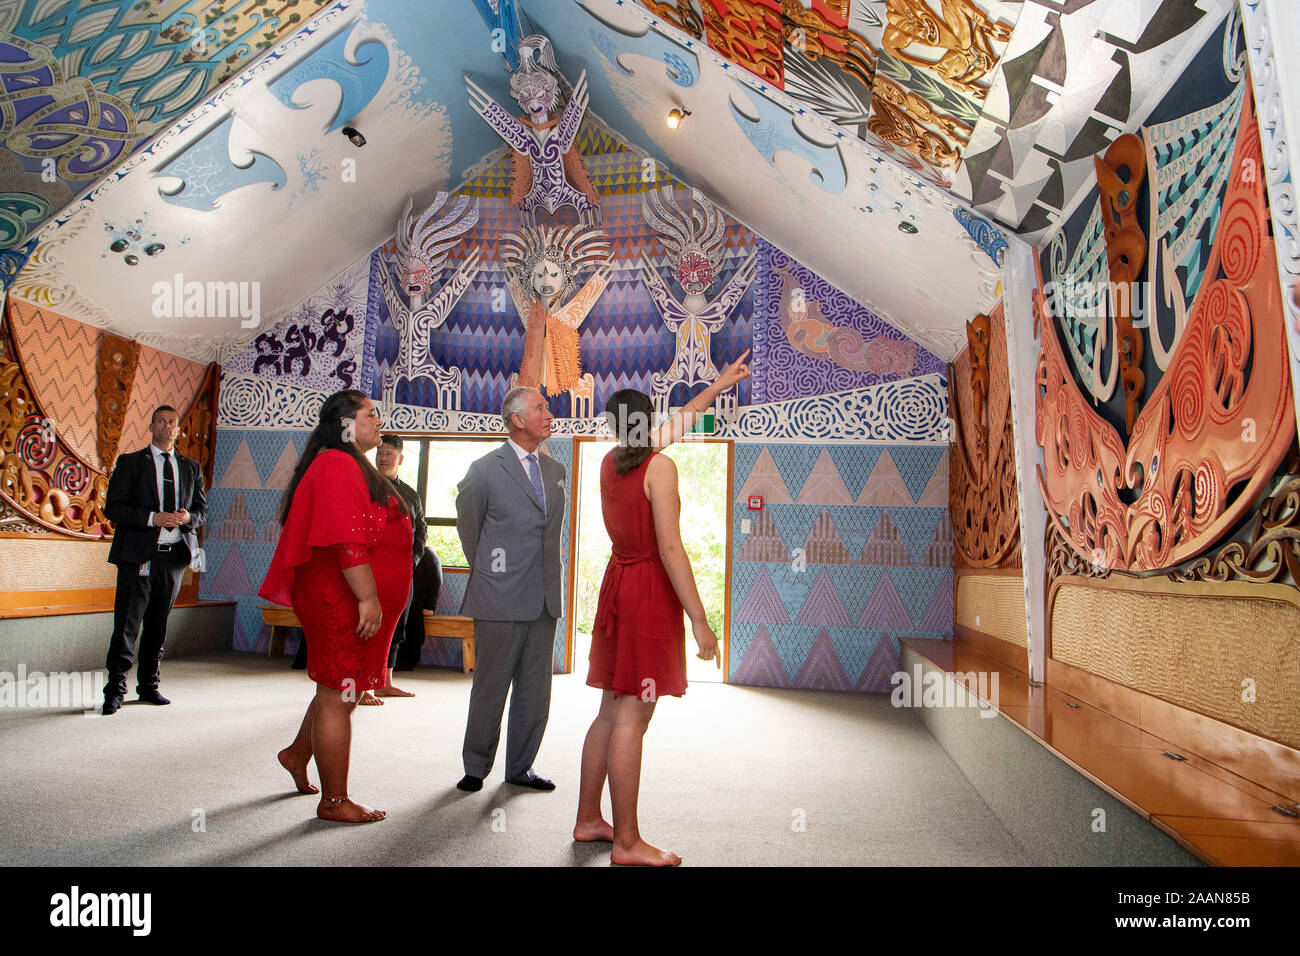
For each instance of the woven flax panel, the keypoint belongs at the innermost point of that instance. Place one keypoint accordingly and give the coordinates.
(998, 600)
(33, 565)
(1195, 651)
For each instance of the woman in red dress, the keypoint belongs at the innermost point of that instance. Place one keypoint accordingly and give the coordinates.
(638, 645)
(344, 563)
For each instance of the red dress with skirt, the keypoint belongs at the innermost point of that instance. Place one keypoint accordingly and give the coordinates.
(333, 525)
(638, 645)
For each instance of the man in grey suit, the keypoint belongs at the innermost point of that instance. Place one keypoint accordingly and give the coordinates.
(509, 509)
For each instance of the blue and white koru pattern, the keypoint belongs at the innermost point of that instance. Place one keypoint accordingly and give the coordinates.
(358, 79)
(984, 234)
(422, 247)
(908, 410)
(911, 410)
(695, 244)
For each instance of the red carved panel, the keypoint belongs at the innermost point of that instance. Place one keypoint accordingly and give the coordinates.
(1210, 437)
(983, 504)
(118, 358)
(748, 33)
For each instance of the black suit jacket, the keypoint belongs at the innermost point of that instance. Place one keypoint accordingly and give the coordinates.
(133, 493)
(419, 530)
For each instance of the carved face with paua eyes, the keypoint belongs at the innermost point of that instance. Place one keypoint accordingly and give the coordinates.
(695, 273)
(547, 278)
(415, 279)
(537, 92)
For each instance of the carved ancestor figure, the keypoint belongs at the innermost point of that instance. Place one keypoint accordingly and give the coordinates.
(548, 171)
(422, 247)
(542, 264)
(694, 240)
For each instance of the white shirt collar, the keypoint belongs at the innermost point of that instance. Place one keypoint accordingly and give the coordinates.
(158, 451)
(519, 451)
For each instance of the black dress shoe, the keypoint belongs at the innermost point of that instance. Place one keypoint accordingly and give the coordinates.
(153, 697)
(470, 783)
(533, 781)
(112, 705)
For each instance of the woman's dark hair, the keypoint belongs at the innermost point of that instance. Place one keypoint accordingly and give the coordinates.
(329, 434)
(630, 416)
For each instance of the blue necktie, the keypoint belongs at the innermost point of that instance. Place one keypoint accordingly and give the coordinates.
(535, 476)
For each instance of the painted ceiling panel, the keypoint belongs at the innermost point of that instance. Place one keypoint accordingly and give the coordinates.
(1001, 102)
(87, 84)
(258, 188)
(801, 182)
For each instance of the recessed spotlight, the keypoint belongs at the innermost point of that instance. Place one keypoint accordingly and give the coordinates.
(354, 135)
(154, 248)
(118, 245)
(675, 117)
(907, 227)
(131, 259)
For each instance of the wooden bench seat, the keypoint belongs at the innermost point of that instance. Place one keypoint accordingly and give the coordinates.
(454, 626)
(1219, 816)
(101, 607)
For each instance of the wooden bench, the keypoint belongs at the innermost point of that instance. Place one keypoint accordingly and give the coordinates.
(281, 618)
(1219, 816)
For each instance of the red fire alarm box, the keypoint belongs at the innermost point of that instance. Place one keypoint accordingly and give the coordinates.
(755, 502)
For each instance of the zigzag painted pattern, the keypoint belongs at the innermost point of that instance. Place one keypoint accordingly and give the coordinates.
(59, 357)
(160, 379)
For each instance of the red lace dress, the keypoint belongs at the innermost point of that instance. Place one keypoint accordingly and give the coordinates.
(332, 525)
(638, 645)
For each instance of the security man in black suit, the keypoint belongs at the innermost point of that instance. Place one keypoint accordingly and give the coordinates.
(155, 497)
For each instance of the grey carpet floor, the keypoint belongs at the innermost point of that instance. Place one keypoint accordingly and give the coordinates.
(732, 776)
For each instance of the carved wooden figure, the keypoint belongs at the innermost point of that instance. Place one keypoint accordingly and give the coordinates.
(422, 248)
(543, 265)
(694, 241)
(548, 172)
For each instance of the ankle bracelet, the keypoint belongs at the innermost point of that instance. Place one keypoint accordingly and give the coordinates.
(342, 799)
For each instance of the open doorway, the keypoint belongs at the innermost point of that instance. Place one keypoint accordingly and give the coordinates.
(704, 483)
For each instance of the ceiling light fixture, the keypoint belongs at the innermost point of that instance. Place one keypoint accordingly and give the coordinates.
(675, 117)
(354, 135)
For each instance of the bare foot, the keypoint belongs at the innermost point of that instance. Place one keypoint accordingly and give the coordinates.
(349, 811)
(370, 700)
(392, 690)
(641, 853)
(593, 832)
(297, 770)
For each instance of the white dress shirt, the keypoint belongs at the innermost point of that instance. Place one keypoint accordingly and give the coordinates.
(523, 460)
(166, 535)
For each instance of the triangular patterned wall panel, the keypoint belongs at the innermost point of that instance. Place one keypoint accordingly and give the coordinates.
(283, 469)
(822, 669)
(935, 494)
(885, 487)
(883, 663)
(765, 480)
(824, 485)
(885, 608)
(824, 545)
(241, 471)
(760, 666)
(763, 543)
(762, 604)
(885, 546)
(823, 607)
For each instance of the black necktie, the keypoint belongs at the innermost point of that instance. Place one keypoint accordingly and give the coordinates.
(169, 485)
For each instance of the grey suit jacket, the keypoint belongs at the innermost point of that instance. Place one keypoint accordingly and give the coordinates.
(512, 546)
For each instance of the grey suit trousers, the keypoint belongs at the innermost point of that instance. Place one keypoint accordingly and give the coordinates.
(509, 653)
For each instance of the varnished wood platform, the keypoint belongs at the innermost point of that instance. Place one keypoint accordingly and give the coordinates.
(1218, 815)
